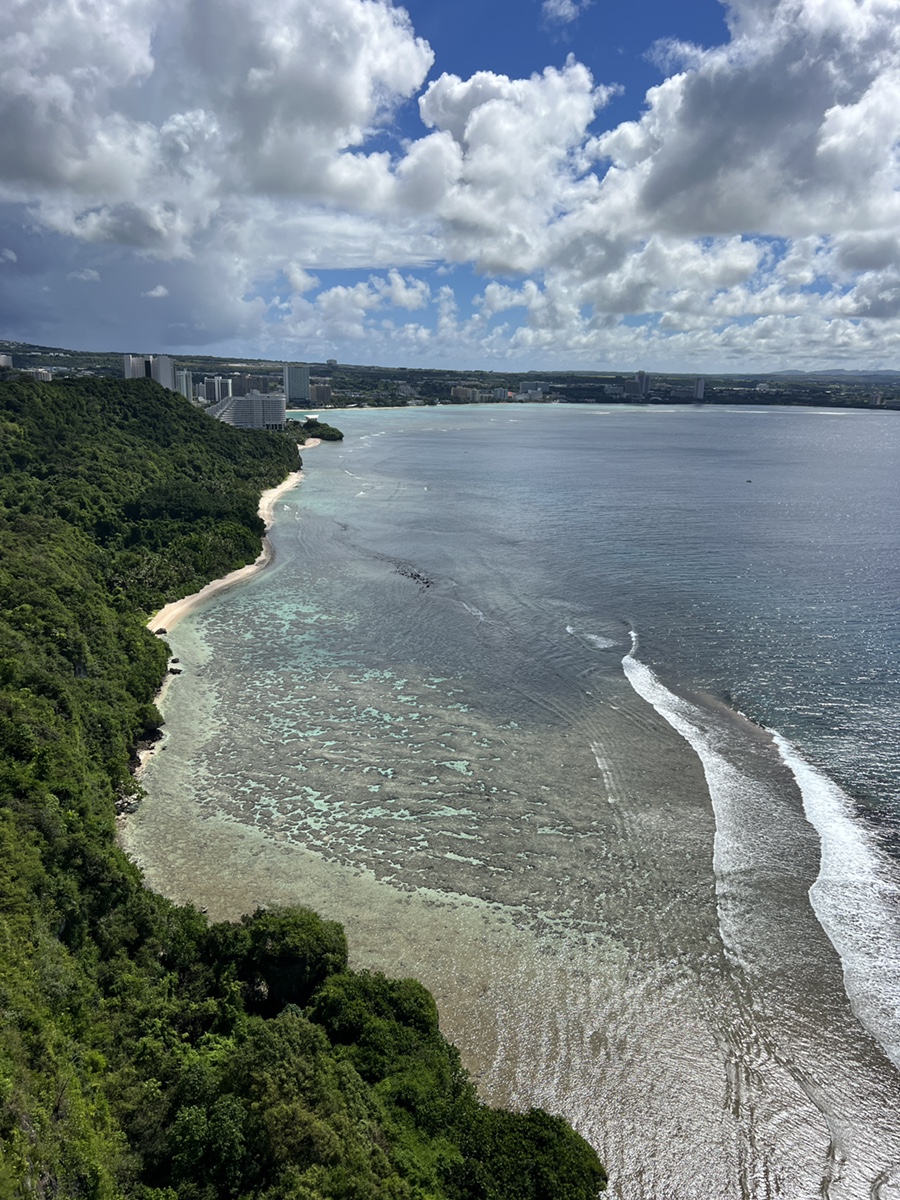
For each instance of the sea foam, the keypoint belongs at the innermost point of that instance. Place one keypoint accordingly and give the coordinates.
(855, 900)
(727, 786)
(594, 639)
(854, 897)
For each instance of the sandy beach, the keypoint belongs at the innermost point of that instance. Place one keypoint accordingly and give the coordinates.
(169, 616)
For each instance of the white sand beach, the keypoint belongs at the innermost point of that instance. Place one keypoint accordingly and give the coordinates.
(169, 616)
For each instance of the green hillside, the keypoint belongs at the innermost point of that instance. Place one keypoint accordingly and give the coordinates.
(143, 1052)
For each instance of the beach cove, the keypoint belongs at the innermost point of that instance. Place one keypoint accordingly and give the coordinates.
(169, 616)
(465, 776)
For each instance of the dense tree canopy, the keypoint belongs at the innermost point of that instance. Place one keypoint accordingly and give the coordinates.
(143, 1052)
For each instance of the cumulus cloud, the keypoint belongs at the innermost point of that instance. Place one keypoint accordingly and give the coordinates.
(136, 122)
(300, 280)
(511, 157)
(790, 129)
(564, 11)
(763, 178)
(753, 206)
(408, 293)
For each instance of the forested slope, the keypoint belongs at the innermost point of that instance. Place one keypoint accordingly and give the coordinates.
(144, 1053)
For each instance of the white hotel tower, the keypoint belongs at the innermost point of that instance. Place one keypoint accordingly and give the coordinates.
(150, 366)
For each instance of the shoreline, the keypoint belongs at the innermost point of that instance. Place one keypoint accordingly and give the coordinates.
(654, 974)
(170, 614)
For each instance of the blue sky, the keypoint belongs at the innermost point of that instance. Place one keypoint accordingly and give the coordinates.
(614, 40)
(541, 184)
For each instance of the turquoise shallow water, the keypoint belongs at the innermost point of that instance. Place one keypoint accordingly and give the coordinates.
(473, 710)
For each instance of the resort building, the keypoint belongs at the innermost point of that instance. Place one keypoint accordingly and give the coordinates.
(296, 383)
(214, 388)
(150, 366)
(258, 410)
(184, 384)
(319, 393)
(243, 384)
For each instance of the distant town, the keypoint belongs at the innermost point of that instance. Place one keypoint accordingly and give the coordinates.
(261, 394)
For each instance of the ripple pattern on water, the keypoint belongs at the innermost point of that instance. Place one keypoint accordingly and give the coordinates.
(463, 774)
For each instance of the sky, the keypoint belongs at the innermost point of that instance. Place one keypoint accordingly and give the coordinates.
(496, 184)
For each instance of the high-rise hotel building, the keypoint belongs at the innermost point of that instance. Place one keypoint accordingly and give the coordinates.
(296, 383)
(184, 383)
(150, 366)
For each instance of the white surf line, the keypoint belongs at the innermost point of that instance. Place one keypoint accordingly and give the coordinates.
(594, 639)
(723, 781)
(853, 897)
(605, 771)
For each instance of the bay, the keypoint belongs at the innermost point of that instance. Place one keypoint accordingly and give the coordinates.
(502, 706)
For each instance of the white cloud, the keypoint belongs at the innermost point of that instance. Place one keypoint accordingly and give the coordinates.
(137, 123)
(513, 163)
(408, 293)
(300, 280)
(752, 208)
(791, 129)
(564, 11)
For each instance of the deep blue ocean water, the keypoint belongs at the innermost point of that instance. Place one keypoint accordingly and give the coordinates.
(501, 659)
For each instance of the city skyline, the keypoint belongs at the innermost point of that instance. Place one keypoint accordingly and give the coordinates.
(557, 185)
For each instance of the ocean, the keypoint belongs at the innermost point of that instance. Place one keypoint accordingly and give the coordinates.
(589, 717)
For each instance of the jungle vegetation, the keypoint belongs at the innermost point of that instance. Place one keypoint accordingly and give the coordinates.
(145, 1053)
(313, 428)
